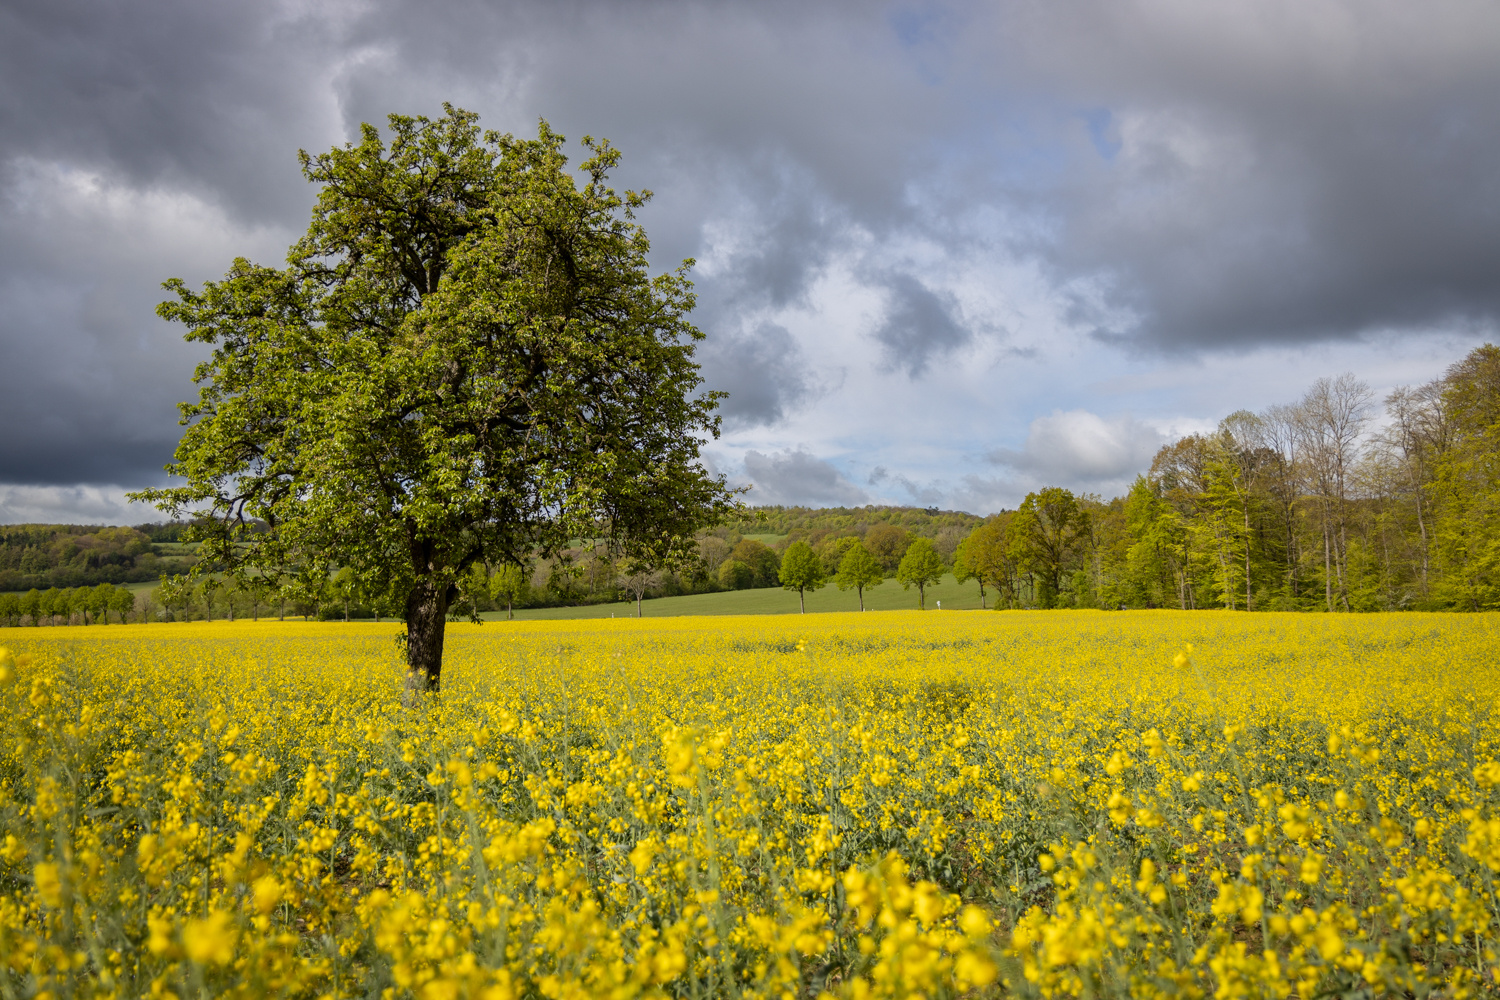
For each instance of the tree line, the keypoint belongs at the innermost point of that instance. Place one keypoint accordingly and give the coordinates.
(67, 605)
(1314, 505)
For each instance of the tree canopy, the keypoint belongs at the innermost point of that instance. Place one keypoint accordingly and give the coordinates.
(920, 567)
(464, 361)
(802, 570)
(858, 569)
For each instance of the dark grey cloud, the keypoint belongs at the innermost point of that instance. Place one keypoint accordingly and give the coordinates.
(1249, 173)
(797, 477)
(763, 370)
(919, 325)
(1185, 177)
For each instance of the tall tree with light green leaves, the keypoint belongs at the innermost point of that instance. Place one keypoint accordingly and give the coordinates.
(1044, 534)
(510, 584)
(801, 570)
(465, 360)
(858, 570)
(921, 567)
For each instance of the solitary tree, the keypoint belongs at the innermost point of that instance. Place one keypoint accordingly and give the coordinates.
(639, 576)
(801, 570)
(920, 567)
(509, 584)
(858, 569)
(465, 360)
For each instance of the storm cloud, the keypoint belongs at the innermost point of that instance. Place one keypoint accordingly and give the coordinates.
(796, 477)
(998, 203)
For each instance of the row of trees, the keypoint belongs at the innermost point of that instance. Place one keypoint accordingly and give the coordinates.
(803, 569)
(1313, 505)
(63, 606)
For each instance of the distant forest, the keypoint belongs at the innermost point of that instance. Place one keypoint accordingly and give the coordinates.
(72, 555)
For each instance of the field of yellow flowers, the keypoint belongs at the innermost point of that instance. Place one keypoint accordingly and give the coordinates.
(1026, 803)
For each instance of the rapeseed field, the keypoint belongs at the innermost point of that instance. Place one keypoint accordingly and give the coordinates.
(897, 804)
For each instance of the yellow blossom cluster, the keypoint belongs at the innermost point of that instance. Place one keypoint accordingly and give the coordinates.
(1143, 804)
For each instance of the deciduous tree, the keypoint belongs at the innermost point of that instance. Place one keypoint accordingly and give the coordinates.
(858, 569)
(465, 361)
(920, 567)
(802, 570)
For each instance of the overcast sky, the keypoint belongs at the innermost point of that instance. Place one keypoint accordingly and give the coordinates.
(947, 252)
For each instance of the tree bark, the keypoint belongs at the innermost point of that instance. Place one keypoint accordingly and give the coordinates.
(426, 618)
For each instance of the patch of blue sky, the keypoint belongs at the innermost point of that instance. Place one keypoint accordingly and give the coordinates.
(1102, 131)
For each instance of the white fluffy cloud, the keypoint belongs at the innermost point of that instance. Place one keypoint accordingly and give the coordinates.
(1079, 447)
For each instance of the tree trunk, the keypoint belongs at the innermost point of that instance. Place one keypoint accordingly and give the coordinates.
(509, 615)
(861, 590)
(1247, 553)
(426, 618)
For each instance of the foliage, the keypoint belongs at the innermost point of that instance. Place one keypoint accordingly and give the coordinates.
(801, 570)
(974, 805)
(509, 586)
(71, 555)
(888, 543)
(464, 362)
(920, 567)
(60, 606)
(736, 575)
(764, 563)
(858, 570)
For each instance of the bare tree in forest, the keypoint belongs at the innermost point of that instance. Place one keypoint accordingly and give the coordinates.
(1330, 419)
(1418, 434)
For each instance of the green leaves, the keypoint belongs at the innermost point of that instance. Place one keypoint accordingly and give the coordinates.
(466, 360)
(920, 568)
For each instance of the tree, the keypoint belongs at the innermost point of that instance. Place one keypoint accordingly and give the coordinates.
(1331, 418)
(509, 585)
(465, 361)
(54, 602)
(736, 575)
(208, 590)
(966, 564)
(639, 576)
(123, 601)
(858, 569)
(887, 543)
(712, 551)
(801, 570)
(833, 549)
(101, 602)
(31, 605)
(345, 588)
(920, 567)
(1047, 525)
(762, 560)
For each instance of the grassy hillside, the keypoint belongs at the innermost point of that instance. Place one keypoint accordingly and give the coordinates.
(887, 597)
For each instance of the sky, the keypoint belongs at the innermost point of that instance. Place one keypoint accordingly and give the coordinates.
(947, 253)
